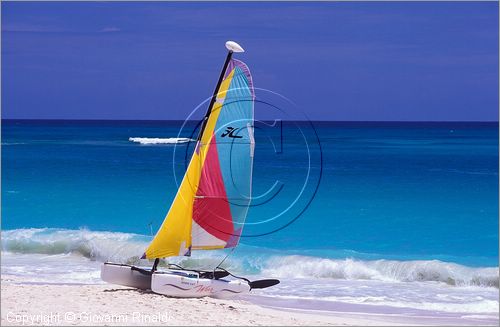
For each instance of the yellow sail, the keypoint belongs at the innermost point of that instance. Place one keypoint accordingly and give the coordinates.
(174, 236)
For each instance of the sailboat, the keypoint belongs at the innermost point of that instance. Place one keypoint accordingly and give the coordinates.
(212, 202)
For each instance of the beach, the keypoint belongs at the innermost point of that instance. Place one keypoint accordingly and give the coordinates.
(95, 305)
(34, 304)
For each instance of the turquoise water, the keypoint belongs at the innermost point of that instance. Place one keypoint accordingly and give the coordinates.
(392, 218)
(386, 190)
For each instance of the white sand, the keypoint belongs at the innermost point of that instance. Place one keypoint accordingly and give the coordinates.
(52, 304)
(28, 304)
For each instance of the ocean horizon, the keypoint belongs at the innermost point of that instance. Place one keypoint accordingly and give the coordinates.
(197, 121)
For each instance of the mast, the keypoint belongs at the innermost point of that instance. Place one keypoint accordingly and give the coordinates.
(231, 47)
(155, 265)
(214, 96)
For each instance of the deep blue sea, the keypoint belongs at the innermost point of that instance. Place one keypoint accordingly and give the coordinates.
(334, 202)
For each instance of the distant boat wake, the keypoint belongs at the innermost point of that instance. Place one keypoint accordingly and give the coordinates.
(157, 140)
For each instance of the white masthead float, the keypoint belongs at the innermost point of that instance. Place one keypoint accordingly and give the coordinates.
(213, 198)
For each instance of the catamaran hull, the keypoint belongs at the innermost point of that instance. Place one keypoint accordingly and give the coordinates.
(125, 275)
(175, 283)
(189, 285)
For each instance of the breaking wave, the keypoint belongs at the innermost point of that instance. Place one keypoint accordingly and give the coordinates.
(95, 245)
(127, 247)
(383, 270)
(157, 140)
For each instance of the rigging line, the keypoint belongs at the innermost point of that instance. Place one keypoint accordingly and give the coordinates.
(230, 252)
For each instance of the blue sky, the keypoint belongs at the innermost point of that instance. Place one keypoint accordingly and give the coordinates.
(337, 61)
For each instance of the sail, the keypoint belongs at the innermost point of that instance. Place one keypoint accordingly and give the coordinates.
(212, 202)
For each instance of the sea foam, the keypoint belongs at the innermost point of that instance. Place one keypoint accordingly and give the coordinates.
(94, 245)
(383, 270)
(128, 247)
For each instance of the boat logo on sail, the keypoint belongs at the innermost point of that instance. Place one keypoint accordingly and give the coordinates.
(230, 133)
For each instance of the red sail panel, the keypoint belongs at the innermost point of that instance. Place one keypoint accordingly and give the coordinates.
(211, 210)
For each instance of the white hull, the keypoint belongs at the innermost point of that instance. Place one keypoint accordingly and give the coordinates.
(184, 283)
(170, 282)
(125, 275)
